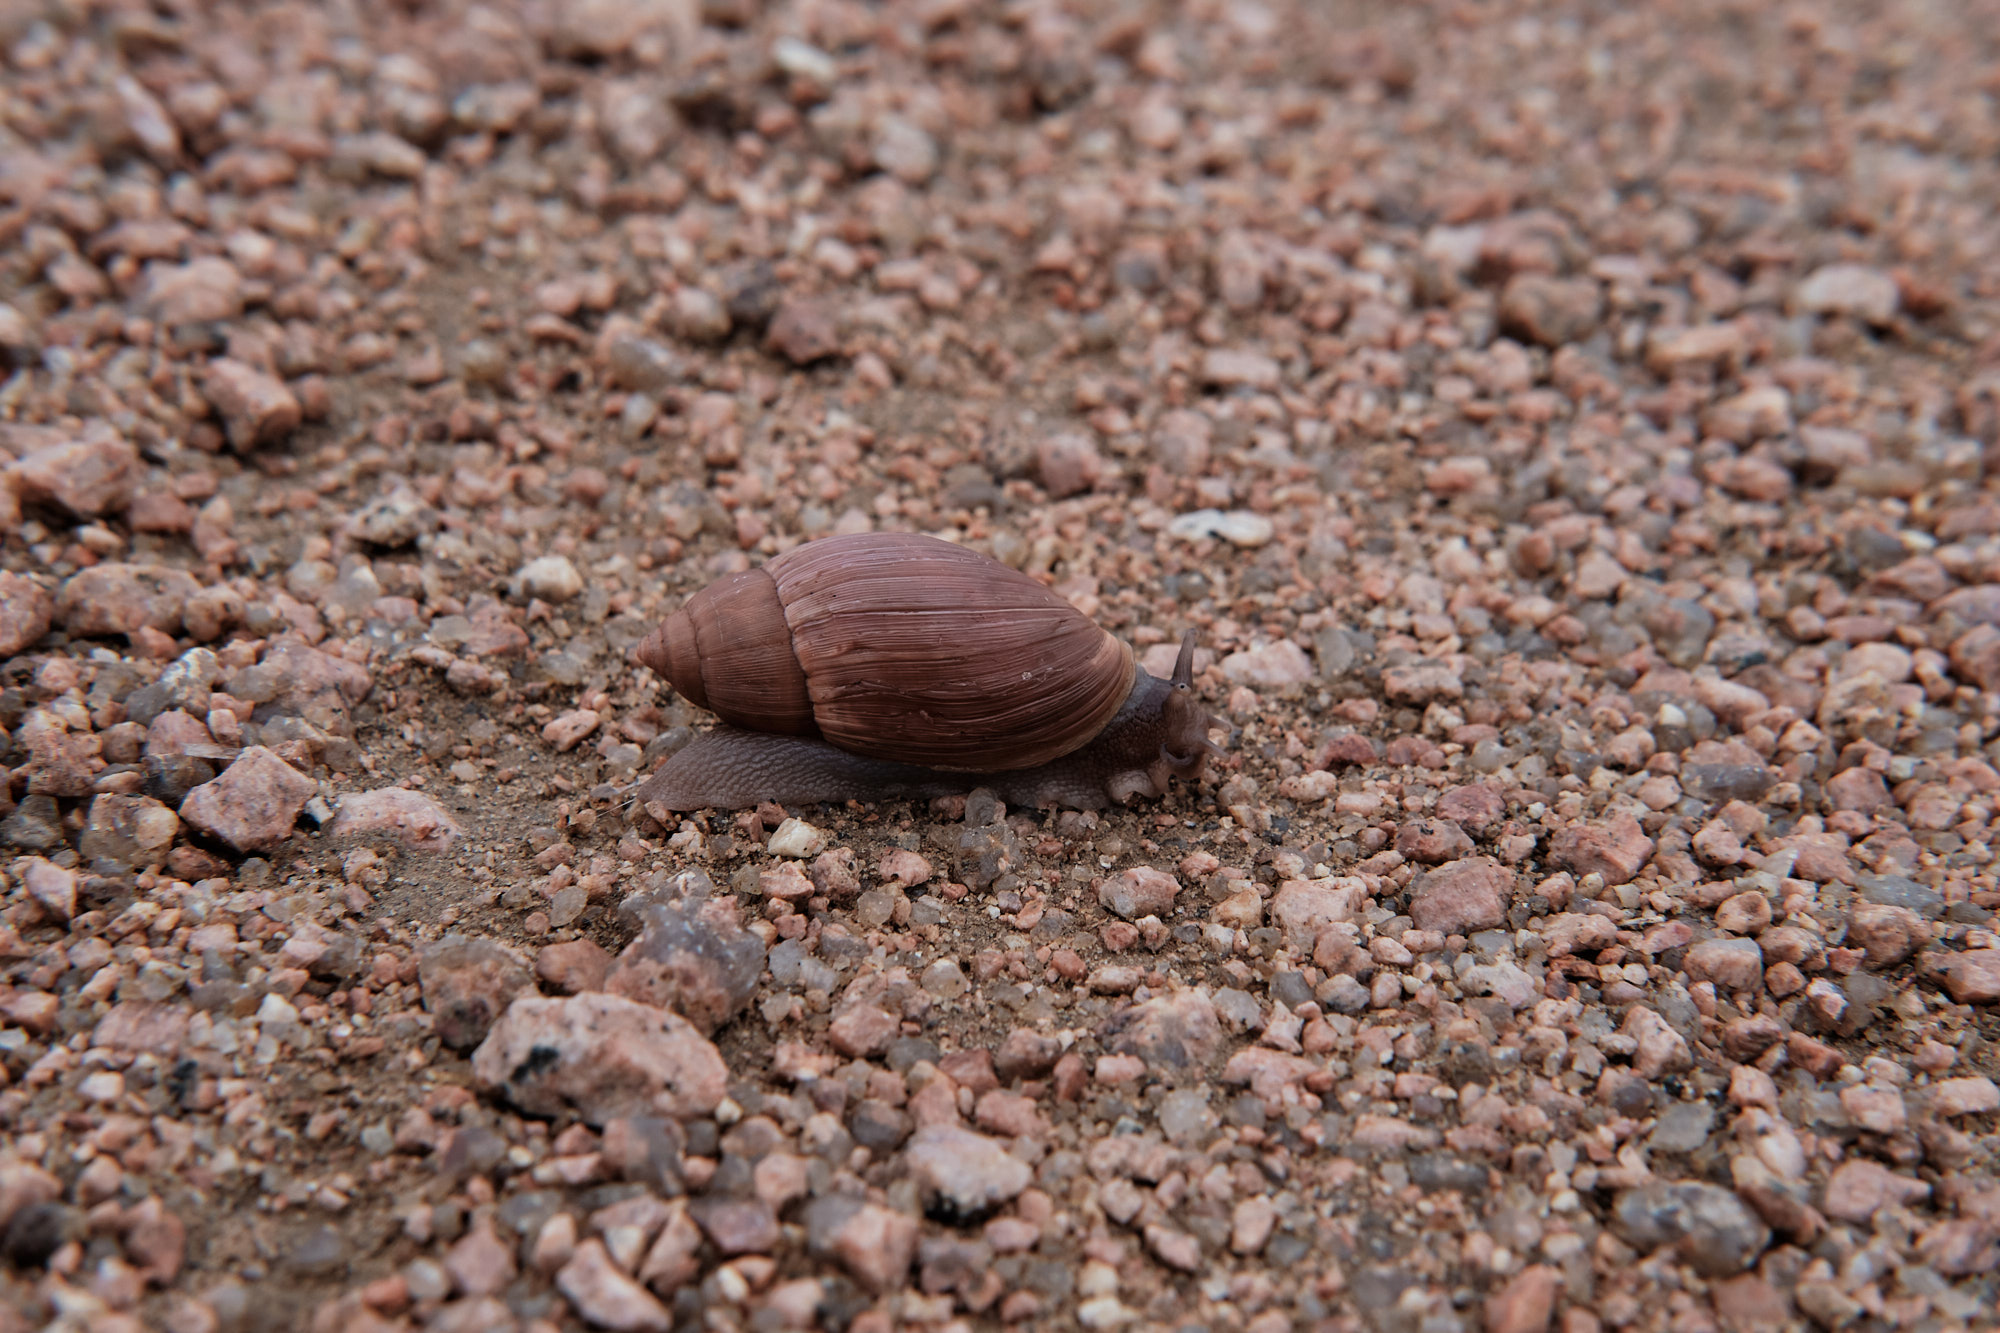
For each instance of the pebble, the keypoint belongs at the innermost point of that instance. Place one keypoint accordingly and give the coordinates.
(600, 1056)
(1710, 1226)
(691, 955)
(26, 612)
(1237, 527)
(1855, 290)
(804, 330)
(253, 805)
(1272, 666)
(963, 1176)
(796, 839)
(257, 408)
(550, 578)
(1139, 892)
(607, 1297)
(1462, 897)
(468, 982)
(412, 818)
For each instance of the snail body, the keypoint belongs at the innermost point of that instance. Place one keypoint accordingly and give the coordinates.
(893, 665)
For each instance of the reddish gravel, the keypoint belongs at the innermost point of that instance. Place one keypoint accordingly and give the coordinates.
(1569, 429)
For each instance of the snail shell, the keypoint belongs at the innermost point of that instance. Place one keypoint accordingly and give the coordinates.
(929, 658)
(897, 646)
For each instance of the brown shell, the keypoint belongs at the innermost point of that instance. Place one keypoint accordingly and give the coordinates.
(902, 647)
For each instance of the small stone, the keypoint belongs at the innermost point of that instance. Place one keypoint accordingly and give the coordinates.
(905, 150)
(253, 804)
(1422, 683)
(1887, 935)
(1251, 1224)
(478, 1263)
(573, 966)
(1226, 368)
(1550, 311)
(1173, 1247)
(737, 1226)
(1302, 908)
(796, 839)
(1713, 1229)
(118, 598)
(51, 885)
(1178, 1030)
(1859, 1188)
(875, 1244)
(467, 984)
(1139, 892)
(393, 520)
(551, 578)
(1068, 463)
(1474, 808)
(1976, 1095)
(26, 611)
(1879, 1110)
(257, 408)
(1431, 841)
(1526, 1303)
(414, 819)
(963, 1176)
(600, 1055)
(200, 291)
(1659, 1050)
(1856, 290)
(804, 330)
(1464, 896)
(1732, 963)
(566, 730)
(1026, 1055)
(692, 955)
(698, 317)
(1858, 789)
(1273, 666)
(606, 1297)
(862, 1031)
(1617, 849)
(1237, 527)
(1973, 977)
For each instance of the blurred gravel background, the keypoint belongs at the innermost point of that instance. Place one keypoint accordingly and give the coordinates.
(1568, 426)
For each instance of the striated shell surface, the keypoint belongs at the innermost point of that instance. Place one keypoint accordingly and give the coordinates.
(898, 646)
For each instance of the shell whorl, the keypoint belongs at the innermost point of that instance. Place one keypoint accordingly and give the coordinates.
(903, 647)
(728, 650)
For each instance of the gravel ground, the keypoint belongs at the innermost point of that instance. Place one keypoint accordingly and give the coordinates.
(1568, 428)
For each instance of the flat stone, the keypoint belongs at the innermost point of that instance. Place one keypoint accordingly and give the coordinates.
(1858, 1188)
(1467, 895)
(414, 819)
(1272, 666)
(119, 598)
(602, 1056)
(97, 473)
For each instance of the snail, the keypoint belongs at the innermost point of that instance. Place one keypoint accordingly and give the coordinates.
(885, 666)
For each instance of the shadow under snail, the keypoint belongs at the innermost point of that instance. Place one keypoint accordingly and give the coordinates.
(886, 666)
